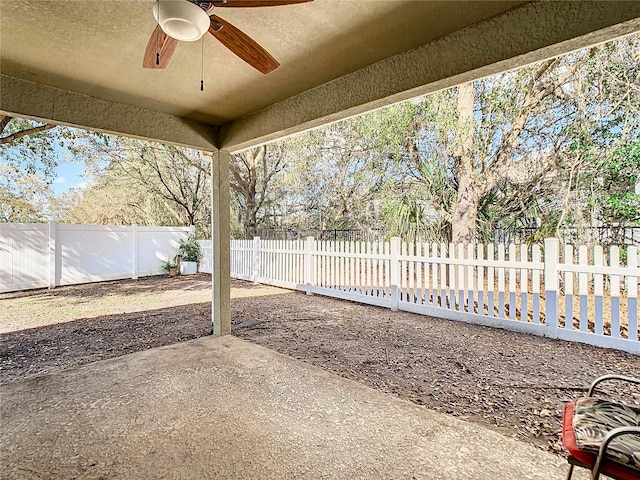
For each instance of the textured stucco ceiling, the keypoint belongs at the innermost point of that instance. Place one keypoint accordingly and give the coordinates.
(95, 48)
(79, 62)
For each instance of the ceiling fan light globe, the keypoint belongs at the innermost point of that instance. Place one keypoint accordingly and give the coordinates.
(181, 19)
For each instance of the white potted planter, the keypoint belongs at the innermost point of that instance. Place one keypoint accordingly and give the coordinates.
(189, 254)
(188, 268)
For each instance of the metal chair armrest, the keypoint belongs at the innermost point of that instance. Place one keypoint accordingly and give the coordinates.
(611, 377)
(616, 432)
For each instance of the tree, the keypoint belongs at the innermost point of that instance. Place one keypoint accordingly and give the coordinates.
(60, 207)
(493, 151)
(136, 181)
(337, 176)
(30, 152)
(22, 196)
(114, 199)
(21, 128)
(35, 147)
(252, 175)
(600, 170)
(499, 121)
(147, 184)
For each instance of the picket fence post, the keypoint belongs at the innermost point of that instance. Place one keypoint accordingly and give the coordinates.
(394, 273)
(551, 286)
(632, 294)
(255, 260)
(309, 273)
(53, 260)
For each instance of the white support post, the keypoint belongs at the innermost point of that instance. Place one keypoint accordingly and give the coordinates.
(568, 289)
(53, 259)
(255, 260)
(395, 273)
(470, 278)
(309, 273)
(551, 286)
(460, 280)
(452, 278)
(134, 256)
(220, 243)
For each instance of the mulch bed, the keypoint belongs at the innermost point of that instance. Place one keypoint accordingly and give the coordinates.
(56, 347)
(513, 383)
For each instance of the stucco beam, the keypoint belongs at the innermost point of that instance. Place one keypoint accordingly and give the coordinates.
(524, 35)
(48, 104)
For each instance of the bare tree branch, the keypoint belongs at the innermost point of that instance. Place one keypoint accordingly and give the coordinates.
(23, 133)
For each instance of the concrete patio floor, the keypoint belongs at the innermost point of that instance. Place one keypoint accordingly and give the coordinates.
(226, 408)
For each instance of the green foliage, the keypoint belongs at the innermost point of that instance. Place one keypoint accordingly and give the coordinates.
(189, 250)
(22, 196)
(168, 265)
(405, 217)
(615, 177)
(144, 183)
(538, 236)
(411, 217)
(338, 176)
(38, 153)
(555, 143)
(563, 124)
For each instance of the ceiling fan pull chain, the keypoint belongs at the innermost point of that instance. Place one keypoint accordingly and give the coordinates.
(202, 66)
(158, 38)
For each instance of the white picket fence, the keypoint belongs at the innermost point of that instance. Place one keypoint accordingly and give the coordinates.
(558, 294)
(37, 255)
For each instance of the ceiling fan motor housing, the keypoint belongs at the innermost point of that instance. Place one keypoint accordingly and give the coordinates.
(183, 20)
(189, 20)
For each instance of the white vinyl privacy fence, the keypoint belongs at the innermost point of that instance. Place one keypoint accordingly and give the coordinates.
(36, 255)
(569, 293)
(206, 260)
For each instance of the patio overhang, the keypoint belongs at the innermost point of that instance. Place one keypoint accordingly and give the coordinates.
(519, 37)
(83, 66)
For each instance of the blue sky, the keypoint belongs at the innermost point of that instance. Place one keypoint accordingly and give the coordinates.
(68, 175)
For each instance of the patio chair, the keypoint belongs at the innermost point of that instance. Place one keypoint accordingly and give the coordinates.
(603, 435)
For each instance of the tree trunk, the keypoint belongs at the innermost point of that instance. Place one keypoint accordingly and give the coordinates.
(465, 214)
(465, 210)
(250, 219)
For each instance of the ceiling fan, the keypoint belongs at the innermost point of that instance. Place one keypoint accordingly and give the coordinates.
(189, 20)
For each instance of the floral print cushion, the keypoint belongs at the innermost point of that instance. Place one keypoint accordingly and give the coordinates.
(594, 418)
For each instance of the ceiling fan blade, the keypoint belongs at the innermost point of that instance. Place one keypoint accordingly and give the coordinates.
(242, 45)
(161, 43)
(258, 3)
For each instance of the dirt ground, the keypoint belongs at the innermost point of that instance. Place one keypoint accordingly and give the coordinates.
(513, 383)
